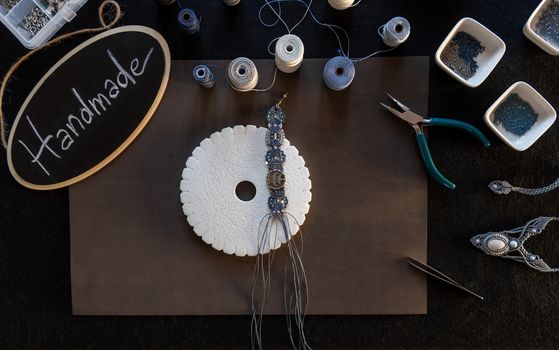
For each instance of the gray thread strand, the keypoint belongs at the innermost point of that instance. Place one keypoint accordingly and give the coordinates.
(308, 11)
(295, 305)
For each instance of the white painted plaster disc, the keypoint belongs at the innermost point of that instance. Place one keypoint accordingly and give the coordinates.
(210, 179)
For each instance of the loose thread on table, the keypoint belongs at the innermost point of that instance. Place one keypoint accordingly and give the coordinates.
(101, 12)
(340, 72)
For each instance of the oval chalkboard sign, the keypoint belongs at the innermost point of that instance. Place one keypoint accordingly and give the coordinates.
(89, 107)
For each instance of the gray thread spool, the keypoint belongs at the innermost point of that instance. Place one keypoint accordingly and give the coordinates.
(203, 76)
(242, 74)
(338, 73)
(189, 23)
(395, 32)
(231, 2)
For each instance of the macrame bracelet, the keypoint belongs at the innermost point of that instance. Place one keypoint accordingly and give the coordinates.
(510, 243)
(503, 187)
(275, 159)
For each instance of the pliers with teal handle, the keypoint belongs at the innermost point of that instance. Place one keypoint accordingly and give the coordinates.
(417, 122)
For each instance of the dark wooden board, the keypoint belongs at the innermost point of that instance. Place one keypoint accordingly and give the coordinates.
(133, 252)
(89, 107)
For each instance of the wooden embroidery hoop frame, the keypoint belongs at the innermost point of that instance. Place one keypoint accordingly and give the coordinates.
(133, 135)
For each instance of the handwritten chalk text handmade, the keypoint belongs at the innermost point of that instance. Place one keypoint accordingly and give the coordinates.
(88, 107)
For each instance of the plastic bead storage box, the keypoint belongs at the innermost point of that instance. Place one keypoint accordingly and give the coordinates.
(34, 22)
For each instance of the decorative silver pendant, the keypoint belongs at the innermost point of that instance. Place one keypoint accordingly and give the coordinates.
(510, 243)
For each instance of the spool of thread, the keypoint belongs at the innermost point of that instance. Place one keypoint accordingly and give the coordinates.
(242, 74)
(395, 32)
(338, 73)
(289, 53)
(167, 2)
(341, 4)
(188, 21)
(203, 76)
(231, 2)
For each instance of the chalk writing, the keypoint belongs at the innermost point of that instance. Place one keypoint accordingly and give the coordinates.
(58, 142)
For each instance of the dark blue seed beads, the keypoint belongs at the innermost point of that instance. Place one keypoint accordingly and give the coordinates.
(275, 115)
(275, 156)
(277, 204)
(274, 127)
(460, 53)
(547, 25)
(515, 115)
(274, 140)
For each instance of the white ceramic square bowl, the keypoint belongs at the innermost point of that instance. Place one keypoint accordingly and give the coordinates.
(487, 60)
(546, 117)
(530, 32)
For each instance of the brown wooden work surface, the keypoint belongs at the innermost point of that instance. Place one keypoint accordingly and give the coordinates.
(133, 253)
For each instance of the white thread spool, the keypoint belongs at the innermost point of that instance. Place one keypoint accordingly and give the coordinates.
(395, 32)
(167, 2)
(231, 2)
(242, 74)
(341, 4)
(289, 53)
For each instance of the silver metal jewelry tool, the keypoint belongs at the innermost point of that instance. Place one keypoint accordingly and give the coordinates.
(503, 187)
(440, 276)
(510, 243)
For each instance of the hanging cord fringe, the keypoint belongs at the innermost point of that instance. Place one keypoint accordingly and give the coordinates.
(272, 228)
(102, 12)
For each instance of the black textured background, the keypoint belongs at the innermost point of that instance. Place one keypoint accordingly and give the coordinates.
(522, 306)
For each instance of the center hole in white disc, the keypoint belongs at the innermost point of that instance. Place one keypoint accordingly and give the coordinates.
(289, 48)
(339, 71)
(245, 191)
(242, 70)
(200, 72)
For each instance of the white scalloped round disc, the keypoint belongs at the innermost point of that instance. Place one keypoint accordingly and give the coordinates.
(210, 179)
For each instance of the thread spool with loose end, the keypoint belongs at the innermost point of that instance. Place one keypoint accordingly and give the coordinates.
(338, 73)
(203, 76)
(167, 2)
(242, 74)
(189, 23)
(289, 53)
(231, 2)
(395, 32)
(343, 4)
